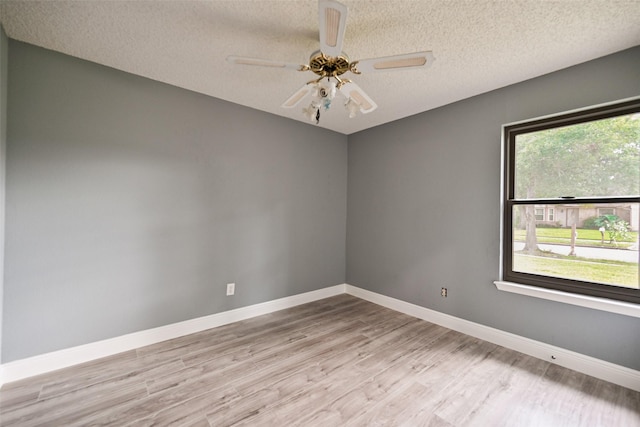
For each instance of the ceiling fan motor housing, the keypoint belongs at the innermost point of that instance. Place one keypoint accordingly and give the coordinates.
(327, 66)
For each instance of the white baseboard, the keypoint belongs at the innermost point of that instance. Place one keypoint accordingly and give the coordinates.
(25, 368)
(598, 368)
(36, 365)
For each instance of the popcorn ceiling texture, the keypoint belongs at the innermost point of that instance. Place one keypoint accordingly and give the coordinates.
(479, 45)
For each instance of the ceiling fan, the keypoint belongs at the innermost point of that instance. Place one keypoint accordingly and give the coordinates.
(330, 63)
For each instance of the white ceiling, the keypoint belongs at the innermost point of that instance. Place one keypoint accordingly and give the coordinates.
(479, 45)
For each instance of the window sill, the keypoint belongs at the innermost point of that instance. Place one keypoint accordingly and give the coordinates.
(603, 304)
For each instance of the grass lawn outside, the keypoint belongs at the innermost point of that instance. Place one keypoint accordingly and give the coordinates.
(617, 273)
(562, 236)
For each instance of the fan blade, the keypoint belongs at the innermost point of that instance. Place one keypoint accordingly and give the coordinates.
(298, 96)
(352, 91)
(241, 60)
(395, 62)
(333, 22)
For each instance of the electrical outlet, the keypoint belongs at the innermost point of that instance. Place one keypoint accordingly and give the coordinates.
(231, 289)
(443, 292)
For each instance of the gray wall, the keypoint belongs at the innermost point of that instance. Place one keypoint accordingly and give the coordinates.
(424, 210)
(4, 56)
(131, 204)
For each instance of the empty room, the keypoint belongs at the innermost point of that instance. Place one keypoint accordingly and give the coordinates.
(320, 213)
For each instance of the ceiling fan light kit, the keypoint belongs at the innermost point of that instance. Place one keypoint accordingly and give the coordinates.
(330, 63)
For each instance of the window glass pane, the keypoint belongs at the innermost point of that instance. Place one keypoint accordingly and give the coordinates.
(594, 159)
(604, 249)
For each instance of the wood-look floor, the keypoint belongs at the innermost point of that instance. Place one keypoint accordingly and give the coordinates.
(335, 362)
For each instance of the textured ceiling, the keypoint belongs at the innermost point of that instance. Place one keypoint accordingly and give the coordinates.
(479, 45)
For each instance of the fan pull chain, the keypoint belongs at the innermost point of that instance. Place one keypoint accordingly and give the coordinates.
(318, 116)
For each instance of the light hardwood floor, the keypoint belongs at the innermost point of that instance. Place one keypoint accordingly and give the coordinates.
(340, 361)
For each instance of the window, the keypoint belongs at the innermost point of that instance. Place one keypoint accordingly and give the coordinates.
(539, 214)
(606, 211)
(586, 164)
